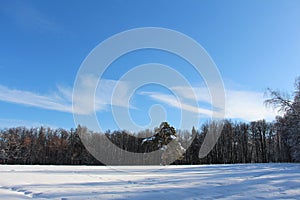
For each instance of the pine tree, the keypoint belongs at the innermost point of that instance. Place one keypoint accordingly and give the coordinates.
(165, 139)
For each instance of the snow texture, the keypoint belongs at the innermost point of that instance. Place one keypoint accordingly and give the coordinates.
(148, 139)
(173, 137)
(249, 181)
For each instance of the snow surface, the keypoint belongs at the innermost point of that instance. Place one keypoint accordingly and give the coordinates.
(250, 181)
(173, 137)
(148, 139)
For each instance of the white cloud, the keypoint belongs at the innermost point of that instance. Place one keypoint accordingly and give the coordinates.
(61, 99)
(240, 104)
(174, 102)
(103, 96)
(245, 105)
(54, 101)
(200, 93)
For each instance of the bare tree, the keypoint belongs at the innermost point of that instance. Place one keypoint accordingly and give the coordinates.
(288, 126)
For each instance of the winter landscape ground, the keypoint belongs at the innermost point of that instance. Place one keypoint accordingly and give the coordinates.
(239, 181)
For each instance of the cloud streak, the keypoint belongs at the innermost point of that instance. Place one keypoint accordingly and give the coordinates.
(103, 97)
(56, 101)
(245, 105)
(172, 101)
(240, 104)
(61, 99)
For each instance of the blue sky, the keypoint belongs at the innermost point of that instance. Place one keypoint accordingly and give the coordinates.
(255, 45)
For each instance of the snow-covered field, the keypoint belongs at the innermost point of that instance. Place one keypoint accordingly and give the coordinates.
(251, 181)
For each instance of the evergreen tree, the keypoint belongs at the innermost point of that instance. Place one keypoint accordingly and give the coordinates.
(165, 139)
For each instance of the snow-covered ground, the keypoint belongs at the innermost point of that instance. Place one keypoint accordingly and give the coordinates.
(251, 181)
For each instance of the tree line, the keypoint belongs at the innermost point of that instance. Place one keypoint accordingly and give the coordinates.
(239, 142)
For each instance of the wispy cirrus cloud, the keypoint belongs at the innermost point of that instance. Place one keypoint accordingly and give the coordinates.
(86, 101)
(55, 101)
(174, 102)
(248, 105)
(240, 104)
(61, 98)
